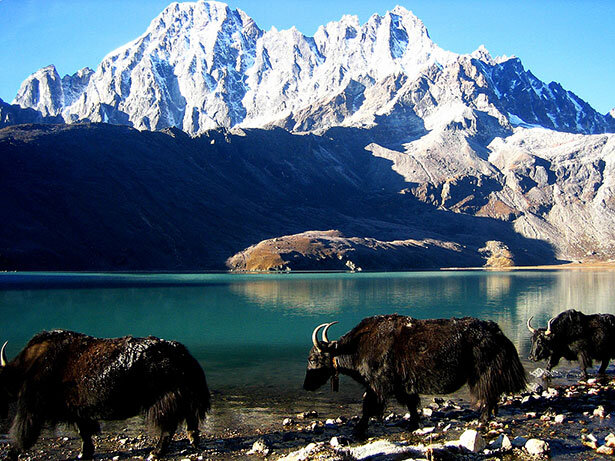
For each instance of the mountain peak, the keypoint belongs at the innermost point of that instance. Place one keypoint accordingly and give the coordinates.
(482, 54)
(200, 66)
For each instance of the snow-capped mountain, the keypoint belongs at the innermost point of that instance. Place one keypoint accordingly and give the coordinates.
(202, 65)
(463, 149)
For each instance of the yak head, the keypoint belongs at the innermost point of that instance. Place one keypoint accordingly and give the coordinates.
(6, 383)
(321, 364)
(542, 341)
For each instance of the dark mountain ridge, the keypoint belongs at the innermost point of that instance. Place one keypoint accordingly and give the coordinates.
(104, 197)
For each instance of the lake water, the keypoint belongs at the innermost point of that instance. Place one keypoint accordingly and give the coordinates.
(252, 333)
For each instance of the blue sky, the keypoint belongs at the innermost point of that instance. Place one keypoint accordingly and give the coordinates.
(568, 41)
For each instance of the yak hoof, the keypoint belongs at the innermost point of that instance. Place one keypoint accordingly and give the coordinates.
(359, 434)
(193, 439)
(410, 425)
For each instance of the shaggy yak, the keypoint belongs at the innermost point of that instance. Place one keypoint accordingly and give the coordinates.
(67, 377)
(394, 355)
(575, 336)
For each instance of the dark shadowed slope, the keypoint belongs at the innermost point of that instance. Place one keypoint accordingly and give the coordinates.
(104, 197)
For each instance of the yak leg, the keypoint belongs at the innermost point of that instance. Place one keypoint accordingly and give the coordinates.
(411, 401)
(586, 362)
(372, 406)
(166, 435)
(192, 426)
(603, 366)
(86, 430)
(486, 409)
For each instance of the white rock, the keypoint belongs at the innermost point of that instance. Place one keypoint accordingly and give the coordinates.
(260, 446)
(537, 447)
(501, 443)
(472, 440)
(303, 454)
(559, 419)
(287, 422)
(424, 430)
(337, 442)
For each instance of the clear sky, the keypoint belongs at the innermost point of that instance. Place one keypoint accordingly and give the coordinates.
(568, 41)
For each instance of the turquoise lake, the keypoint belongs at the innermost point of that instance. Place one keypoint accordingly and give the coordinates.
(253, 331)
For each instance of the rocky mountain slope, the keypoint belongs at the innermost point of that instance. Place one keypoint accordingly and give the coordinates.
(109, 197)
(12, 114)
(370, 130)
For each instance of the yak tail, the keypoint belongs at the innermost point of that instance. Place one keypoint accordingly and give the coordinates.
(25, 429)
(177, 406)
(498, 371)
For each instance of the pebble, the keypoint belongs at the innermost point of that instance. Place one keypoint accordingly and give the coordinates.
(424, 431)
(550, 393)
(589, 440)
(339, 441)
(427, 412)
(537, 447)
(605, 450)
(559, 419)
(501, 443)
(600, 411)
(260, 446)
(519, 441)
(472, 440)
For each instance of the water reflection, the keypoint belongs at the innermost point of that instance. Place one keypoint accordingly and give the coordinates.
(247, 329)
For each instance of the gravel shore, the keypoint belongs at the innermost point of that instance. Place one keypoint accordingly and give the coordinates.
(567, 421)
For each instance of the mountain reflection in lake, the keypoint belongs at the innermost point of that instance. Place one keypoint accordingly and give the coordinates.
(254, 330)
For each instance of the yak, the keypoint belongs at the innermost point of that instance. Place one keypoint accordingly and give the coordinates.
(395, 355)
(574, 335)
(67, 377)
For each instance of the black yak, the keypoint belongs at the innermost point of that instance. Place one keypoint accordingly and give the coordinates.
(394, 355)
(67, 377)
(575, 336)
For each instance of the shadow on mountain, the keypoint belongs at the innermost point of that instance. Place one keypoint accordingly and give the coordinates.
(105, 197)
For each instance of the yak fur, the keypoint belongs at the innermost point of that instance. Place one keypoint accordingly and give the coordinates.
(67, 377)
(576, 336)
(394, 355)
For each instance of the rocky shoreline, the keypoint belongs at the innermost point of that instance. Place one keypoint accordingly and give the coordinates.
(570, 421)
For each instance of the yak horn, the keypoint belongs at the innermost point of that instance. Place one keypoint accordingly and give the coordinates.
(324, 332)
(529, 325)
(3, 360)
(548, 332)
(315, 335)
